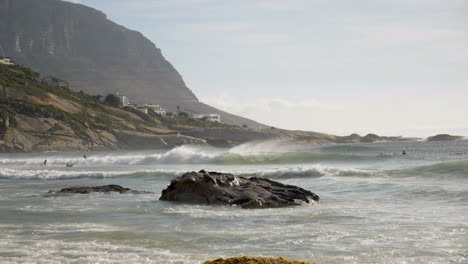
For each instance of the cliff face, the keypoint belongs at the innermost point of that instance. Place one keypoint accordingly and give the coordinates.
(79, 44)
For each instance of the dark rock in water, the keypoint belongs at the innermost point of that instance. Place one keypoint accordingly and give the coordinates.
(257, 260)
(221, 188)
(102, 189)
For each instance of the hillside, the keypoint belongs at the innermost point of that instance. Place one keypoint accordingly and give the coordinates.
(444, 137)
(79, 44)
(36, 115)
(43, 114)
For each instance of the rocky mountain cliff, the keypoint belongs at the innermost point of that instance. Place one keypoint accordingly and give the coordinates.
(79, 44)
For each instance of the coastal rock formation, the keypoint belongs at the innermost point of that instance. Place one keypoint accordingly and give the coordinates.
(354, 138)
(112, 188)
(444, 137)
(259, 260)
(221, 188)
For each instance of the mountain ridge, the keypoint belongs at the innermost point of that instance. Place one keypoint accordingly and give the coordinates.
(96, 55)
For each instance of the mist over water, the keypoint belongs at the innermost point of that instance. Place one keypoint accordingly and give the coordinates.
(377, 206)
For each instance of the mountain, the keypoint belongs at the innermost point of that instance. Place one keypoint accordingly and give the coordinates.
(95, 55)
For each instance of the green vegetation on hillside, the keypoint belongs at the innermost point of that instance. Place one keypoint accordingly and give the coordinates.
(24, 92)
(174, 120)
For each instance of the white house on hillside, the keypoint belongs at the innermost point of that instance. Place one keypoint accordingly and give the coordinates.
(143, 109)
(209, 117)
(123, 100)
(157, 109)
(6, 61)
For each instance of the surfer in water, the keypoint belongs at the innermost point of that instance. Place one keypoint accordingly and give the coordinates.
(44, 163)
(404, 152)
(84, 156)
(69, 165)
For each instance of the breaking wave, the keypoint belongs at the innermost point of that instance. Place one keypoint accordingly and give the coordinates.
(276, 159)
(444, 169)
(272, 173)
(46, 174)
(249, 153)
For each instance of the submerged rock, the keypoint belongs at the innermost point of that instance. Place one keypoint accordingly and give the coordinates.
(102, 189)
(221, 188)
(259, 260)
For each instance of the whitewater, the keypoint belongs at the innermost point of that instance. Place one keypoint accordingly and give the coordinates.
(377, 205)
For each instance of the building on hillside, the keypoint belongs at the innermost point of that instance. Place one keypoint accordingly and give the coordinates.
(154, 108)
(142, 108)
(209, 117)
(6, 61)
(123, 100)
(157, 109)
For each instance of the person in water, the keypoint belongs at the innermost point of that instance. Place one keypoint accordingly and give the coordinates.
(69, 165)
(44, 163)
(84, 156)
(403, 153)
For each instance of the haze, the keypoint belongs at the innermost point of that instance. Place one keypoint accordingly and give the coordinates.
(389, 67)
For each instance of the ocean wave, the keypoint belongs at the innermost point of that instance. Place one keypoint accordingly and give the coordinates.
(186, 154)
(246, 154)
(271, 173)
(51, 174)
(284, 158)
(447, 169)
(443, 169)
(348, 148)
(308, 172)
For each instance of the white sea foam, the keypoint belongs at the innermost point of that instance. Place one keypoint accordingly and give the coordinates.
(46, 174)
(263, 172)
(187, 154)
(53, 174)
(309, 171)
(95, 251)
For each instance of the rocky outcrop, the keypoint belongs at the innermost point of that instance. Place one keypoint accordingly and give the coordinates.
(354, 138)
(221, 188)
(444, 137)
(96, 189)
(258, 260)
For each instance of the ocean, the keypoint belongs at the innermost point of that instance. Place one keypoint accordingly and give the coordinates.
(377, 206)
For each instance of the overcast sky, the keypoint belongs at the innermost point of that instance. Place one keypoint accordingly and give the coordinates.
(392, 67)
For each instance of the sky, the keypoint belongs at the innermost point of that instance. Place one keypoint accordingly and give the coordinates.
(390, 67)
